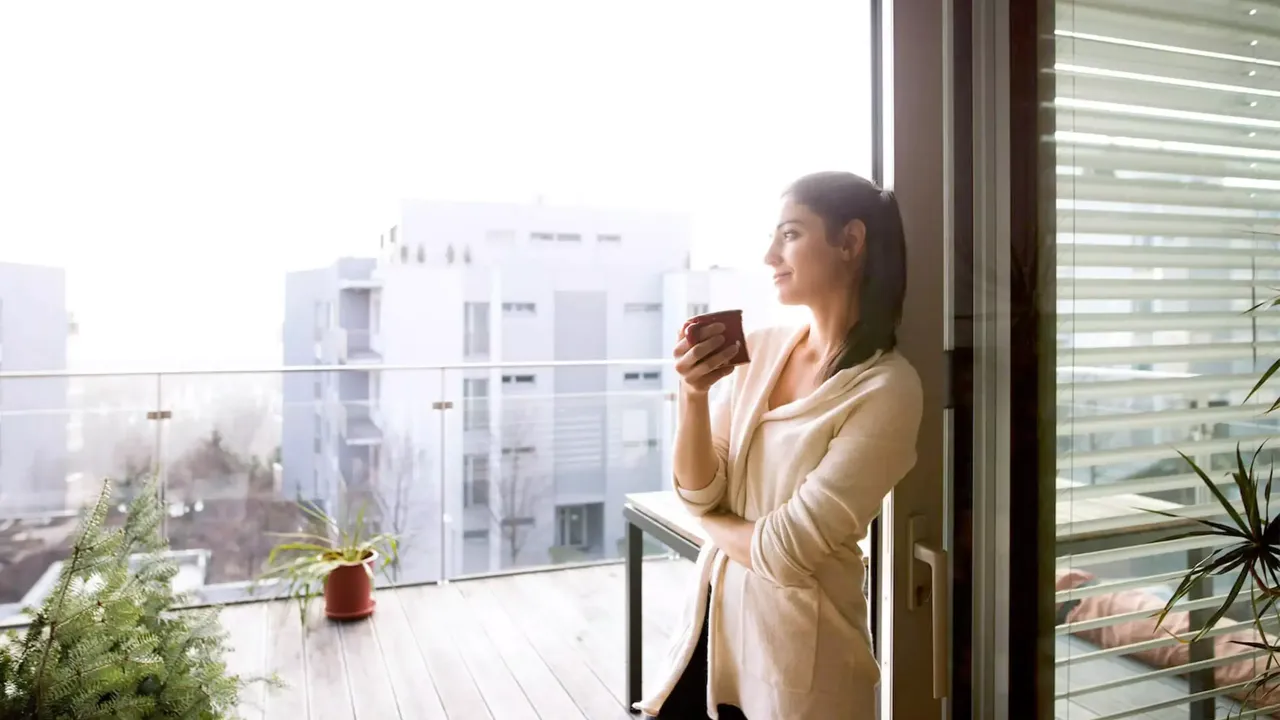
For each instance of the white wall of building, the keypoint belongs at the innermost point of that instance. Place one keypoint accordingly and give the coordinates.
(560, 284)
(33, 412)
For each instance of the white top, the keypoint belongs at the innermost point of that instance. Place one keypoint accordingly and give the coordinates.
(790, 638)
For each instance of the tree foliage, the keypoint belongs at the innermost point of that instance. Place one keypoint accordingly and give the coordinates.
(109, 640)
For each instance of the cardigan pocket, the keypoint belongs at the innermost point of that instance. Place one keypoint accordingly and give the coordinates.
(779, 633)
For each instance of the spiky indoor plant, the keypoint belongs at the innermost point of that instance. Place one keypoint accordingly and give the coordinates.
(338, 559)
(111, 640)
(1249, 553)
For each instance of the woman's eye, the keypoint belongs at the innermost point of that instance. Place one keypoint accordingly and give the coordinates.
(790, 235)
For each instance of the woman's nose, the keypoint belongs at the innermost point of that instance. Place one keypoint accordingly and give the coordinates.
(771, 256)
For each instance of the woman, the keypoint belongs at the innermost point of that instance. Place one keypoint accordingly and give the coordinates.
(788, 469)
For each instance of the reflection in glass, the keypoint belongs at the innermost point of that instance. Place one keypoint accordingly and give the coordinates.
(1168, 212)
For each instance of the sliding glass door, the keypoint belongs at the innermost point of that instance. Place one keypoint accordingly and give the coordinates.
(916, 158)
(1168, 206)
(1134, 209)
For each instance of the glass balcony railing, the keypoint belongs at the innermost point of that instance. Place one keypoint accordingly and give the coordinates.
(477, 468)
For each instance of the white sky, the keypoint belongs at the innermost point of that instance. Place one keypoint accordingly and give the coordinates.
(177, 158)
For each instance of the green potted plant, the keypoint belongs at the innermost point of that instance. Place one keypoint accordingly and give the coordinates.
(1249, 553)
(336, 559)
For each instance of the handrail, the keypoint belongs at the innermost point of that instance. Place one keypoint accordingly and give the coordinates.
(287, 369)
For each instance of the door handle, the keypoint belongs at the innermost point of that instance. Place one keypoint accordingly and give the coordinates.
(936, 594)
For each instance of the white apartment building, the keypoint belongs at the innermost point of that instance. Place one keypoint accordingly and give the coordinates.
(535, 460)
(33, 412)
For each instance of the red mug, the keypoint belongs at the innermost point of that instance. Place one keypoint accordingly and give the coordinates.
(732, 321)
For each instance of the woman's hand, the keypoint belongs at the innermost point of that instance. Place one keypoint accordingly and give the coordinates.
(705, 362)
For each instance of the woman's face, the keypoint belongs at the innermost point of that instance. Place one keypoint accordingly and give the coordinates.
(809, 269)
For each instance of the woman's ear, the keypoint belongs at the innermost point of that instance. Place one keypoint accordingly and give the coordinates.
(854, 239)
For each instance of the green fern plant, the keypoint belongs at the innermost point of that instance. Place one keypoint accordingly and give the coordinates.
(111, 639)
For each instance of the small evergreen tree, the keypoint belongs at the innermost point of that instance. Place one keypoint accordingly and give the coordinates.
(109, 640)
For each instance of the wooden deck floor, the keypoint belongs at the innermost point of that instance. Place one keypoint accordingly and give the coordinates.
(542, 645)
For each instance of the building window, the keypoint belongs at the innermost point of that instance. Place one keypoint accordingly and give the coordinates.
(519, 450)
(475, 487)
(639, 435)
(643, 444)
(520, 308)
(648, 375)
(609, 238)
(696, 309)
(642, 307)
(542, 237)
(574, 524)
(569, 237)
(475, 403)
(518, 379)
(476, 324)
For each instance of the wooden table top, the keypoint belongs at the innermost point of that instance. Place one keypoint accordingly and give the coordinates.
(1084, 518)
(1074, 518)
(666, 508)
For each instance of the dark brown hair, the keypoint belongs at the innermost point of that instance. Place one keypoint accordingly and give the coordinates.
(839, 198)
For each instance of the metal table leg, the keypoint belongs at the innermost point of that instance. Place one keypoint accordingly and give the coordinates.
(635, 559)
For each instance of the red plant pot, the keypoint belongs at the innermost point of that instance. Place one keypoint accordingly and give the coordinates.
(348, 591)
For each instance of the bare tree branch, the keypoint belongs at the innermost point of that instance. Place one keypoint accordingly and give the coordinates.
(521, 484)
(398, 485)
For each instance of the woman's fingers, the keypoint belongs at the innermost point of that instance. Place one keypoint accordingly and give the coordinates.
(706, 347)
(701, 335)
(692, 335)
(682, 347)
(705, 332)
(701, 368)
(704, 361)
(724, 356)
(694, 357)
(708, 378)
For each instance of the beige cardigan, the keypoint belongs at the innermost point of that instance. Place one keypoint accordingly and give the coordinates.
(789, 639)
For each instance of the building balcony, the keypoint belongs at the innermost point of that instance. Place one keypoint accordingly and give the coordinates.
(359, 426)
(357, 347)
(373, 282)
(498, 512)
